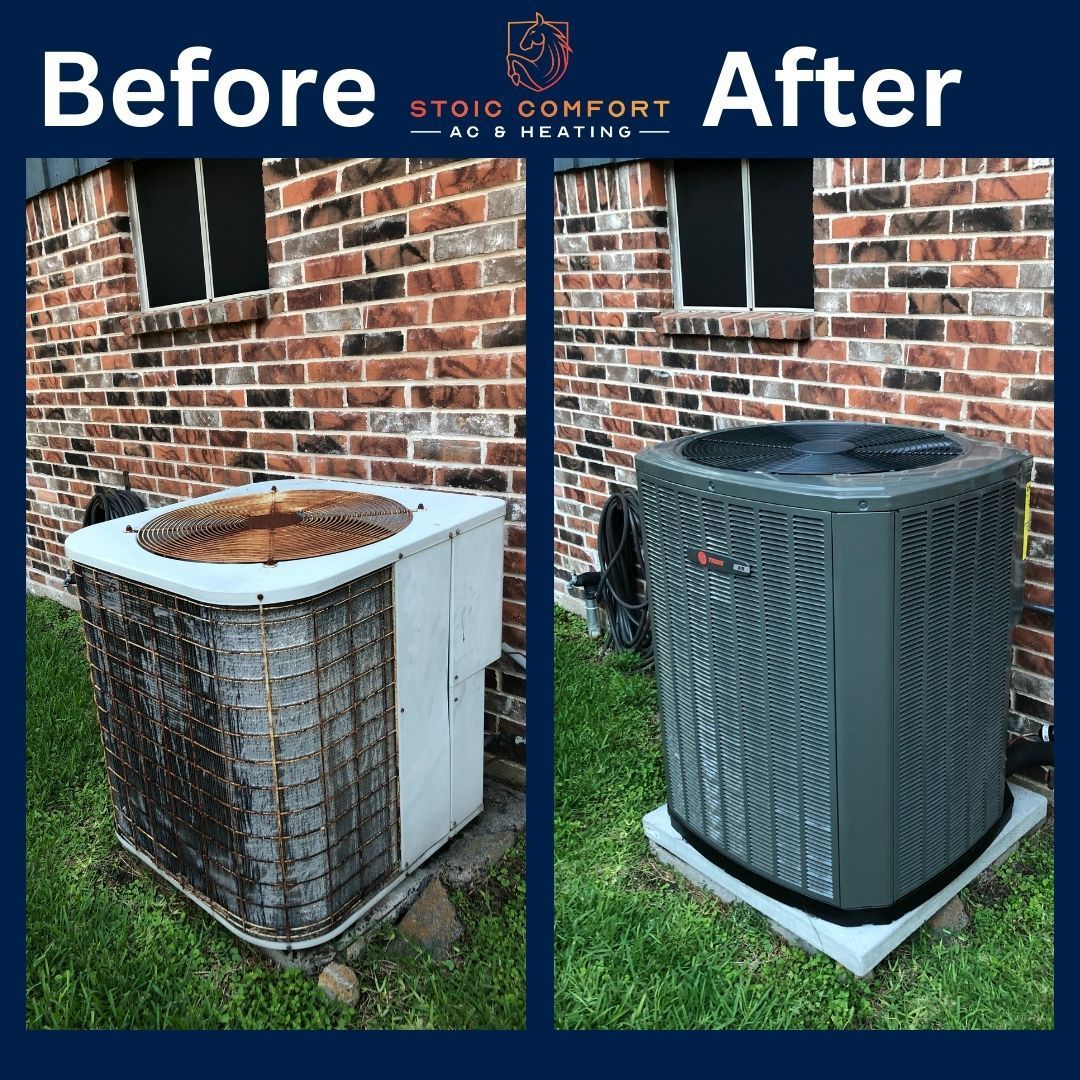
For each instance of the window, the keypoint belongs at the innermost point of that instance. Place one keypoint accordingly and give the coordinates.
(199, 226)
(744, 233)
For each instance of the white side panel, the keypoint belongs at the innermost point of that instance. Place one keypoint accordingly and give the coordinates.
(467, 748)
(476, 602)
(422, 614)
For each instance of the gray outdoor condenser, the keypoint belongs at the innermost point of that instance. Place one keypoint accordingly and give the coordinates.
(831, 609)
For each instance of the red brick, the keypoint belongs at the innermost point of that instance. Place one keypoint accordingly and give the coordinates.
(972, 385)
(315, 296)
(470, 366)
(442, 338)
(467, 307)
(1032, 185)
(491, 173)
(979, 331)
(939, 250)
(462, 396)
(349, 264)
(813, 394)
(877, 400)
(849, 374)
(393, 315)
(945, 194)
(309, 189)
(1012, 361)
(983, 275)
(396, 196)
(504, 396)
(936, 406)
(999, 413)
(844, 326)
(442, 279)
(881, 301)
(396, 369)
(447, 215)
(382, 397)
(1010, 247)
(934, 356)
(844, 227)
(335, 371)
(801, 369)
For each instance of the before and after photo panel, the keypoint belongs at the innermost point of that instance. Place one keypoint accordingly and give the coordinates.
(802, 543)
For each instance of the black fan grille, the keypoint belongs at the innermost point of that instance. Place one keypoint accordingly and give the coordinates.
(818, 448)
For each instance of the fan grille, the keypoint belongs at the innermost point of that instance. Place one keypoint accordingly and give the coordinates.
(275, 526)
(813, 448)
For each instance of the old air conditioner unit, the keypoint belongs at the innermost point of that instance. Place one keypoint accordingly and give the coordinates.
(831, 608)
(290, 684)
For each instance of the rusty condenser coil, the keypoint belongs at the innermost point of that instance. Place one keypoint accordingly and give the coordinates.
(274, 526)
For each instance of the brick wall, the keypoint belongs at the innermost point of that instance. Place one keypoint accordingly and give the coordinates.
(933, 303)
(388, 348)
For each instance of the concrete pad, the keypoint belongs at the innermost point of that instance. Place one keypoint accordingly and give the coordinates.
(858, 948)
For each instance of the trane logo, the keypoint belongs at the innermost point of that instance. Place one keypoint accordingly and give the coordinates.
(721, 563)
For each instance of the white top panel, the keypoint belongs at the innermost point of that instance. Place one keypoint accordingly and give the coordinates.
(110, 547)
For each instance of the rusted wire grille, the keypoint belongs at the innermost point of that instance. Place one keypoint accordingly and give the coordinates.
(252, 752)
(274, 526)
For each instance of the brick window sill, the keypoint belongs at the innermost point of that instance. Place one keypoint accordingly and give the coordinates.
(194, 316)
(707, 322)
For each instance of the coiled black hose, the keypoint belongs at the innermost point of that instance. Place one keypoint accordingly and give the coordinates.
(111, 503)
(622, 589)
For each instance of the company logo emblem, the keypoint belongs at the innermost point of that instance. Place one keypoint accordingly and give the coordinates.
(721, 563)
(537, 53)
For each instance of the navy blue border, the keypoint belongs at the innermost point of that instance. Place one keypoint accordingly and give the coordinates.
(1017, 97)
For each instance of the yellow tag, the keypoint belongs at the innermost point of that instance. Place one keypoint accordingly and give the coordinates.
(1027, 517)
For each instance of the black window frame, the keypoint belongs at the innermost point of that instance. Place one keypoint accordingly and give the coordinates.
(751, 305)
(210, 294)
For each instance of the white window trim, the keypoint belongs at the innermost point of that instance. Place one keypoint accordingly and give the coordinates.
(204, 233)
(204, 228)
(748, 249)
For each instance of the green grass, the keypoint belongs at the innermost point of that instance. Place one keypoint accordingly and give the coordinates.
(637, 947)
(109, 946)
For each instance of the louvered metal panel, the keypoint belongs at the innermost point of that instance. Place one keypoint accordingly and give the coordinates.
(744, 670)
(952, 626)
(832, 655)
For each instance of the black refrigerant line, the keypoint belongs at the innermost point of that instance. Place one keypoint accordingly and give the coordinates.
(108, 504)
(620, 585)
(111, 503)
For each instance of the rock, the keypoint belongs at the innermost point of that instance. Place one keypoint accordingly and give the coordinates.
(473, 854)
(951, 920)
(506, 772)
(339, 981)
(432, 922)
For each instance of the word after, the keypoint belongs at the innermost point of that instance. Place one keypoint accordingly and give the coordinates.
(884, 95)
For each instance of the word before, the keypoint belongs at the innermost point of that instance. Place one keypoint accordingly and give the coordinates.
(885, 93)
(136, 94)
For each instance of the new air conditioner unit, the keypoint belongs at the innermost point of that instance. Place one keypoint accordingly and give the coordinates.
(831, 610)
(290, 684)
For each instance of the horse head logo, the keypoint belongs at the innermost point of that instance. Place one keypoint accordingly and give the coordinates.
(537, 52)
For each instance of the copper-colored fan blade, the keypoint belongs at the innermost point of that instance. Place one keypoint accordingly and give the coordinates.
(275, 526)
